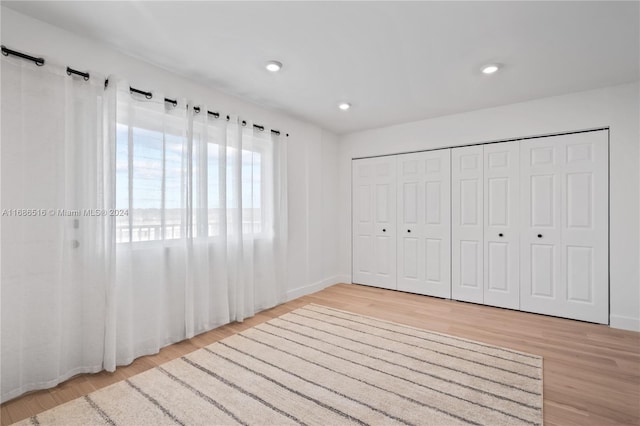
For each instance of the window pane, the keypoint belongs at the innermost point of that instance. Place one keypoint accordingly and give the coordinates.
(173, 187)
(156, 160)
(251, 192)
(147, 185)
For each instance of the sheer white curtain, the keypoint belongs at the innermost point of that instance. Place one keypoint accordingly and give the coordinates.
(197, 237)
(53, 262)
(146, 295)
(239, 216)
(204, 242)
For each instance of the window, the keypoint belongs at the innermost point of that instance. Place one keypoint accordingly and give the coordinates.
(251, 189)
(225, 191)
(148, 183)
(222, 189)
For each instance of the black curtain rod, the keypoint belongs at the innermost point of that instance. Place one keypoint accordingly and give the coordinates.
(40, 62)
(215, 114)
(244, 123)
(149, 95)
(84, 75)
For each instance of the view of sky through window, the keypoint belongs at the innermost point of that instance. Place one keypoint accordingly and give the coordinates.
(153, 172)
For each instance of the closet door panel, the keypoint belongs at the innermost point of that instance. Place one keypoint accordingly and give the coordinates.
(423, 223)
(502, 228)
(541, 239)
(542, 286)
(437, 223)
(467, 227)
(362, 222)
(374, 221)
(410, 250)
(585, 223)
(565, 229)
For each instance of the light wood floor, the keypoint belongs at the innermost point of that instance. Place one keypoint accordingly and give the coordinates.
(591, 372)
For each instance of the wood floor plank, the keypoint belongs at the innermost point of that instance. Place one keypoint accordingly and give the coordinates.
(591, 371)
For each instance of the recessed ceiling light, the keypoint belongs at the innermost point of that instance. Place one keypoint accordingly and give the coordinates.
(274, 66)
(344, 106)
(490, 68)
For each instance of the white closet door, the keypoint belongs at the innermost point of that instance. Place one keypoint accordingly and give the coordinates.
(424, 224)
(502, 227)
(564, 242)
(467, 225)
(374, 221)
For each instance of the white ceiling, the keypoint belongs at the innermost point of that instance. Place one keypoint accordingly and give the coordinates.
(394, 61)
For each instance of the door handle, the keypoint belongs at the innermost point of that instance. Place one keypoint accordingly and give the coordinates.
(539, 235)
(409, 230)
(500, 235)
(384, 230)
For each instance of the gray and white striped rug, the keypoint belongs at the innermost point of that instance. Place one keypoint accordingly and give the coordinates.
(322, 366)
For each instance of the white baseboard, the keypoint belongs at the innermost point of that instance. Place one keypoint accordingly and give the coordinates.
(624, 323)
(312, 288)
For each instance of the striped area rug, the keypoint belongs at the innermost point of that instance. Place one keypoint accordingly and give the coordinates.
(322, 366)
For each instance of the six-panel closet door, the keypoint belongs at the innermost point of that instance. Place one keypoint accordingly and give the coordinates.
(424, 212)
(502, 224)
(374, 221)
(564, 241)
(467, 224)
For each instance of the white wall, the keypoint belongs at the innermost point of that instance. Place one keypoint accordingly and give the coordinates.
(616, 107)
(312, 154)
